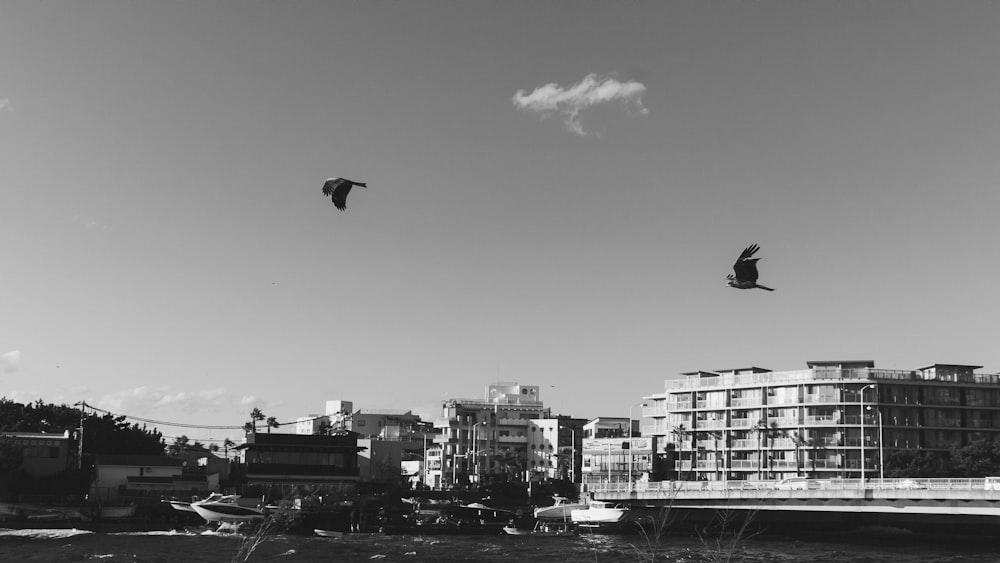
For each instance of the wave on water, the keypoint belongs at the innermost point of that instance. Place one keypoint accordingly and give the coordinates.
(158, 533)
(43, 533)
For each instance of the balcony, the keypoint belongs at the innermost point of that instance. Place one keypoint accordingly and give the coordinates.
(711, 424)
(828, 420)
(649, 412)
(512, 422)
(821, 398)
(445, 423)
(512, 439)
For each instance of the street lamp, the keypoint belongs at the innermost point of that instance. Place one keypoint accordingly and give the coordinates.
(630, 442)
(861, 392)
(881, 450)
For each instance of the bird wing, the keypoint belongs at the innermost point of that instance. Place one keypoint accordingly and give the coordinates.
(337, 189)
(745, 266)
(330, 185)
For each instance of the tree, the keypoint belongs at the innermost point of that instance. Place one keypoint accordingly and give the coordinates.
(681, 433)
(180, 444)
(980, 458)
(912, 463)
(272, 422)
(226, 444)
(256, 415)
(800, 441)
(508, 464)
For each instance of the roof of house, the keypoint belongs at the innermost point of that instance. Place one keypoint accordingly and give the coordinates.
(139, 460)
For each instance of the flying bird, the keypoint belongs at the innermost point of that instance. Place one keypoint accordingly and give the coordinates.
(746, 270)
(338, 188)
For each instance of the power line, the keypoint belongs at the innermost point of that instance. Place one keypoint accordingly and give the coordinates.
(186, 425)
(163, 423)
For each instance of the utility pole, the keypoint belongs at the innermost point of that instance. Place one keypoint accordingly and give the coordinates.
(79, 441)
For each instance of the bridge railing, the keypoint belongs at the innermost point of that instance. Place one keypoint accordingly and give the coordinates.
(832, 485)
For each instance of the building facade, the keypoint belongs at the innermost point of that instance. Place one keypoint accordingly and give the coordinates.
(834, 419)
(299, 459)
(485, 438)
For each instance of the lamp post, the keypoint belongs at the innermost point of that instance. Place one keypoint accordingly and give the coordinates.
(861, 392)
(881, 450)
(630, 442)
(572, 455)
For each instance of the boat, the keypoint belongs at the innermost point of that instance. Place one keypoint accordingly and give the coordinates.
(474, 518)
(601, 515)
(560, 510)
(327, 533)
(225, 508)
(181, 505)
(543, 529)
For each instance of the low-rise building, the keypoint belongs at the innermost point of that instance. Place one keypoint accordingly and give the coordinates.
(41, 454)
(299, 459)
(119, 476)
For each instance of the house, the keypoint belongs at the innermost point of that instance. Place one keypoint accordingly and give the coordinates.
(118, 476)
(299, 458)
(42, 454)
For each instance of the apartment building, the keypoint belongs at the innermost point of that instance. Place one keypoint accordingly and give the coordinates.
(833, 419)
(489, 436)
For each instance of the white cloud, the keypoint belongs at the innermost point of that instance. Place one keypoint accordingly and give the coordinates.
(569, 103)
(144, 401)
(5, 105)
(10, 361)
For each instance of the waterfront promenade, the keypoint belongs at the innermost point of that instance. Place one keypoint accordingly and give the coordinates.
(968, 497)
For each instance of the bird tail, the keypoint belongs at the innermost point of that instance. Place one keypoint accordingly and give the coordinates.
(764, 287)
(362, 184)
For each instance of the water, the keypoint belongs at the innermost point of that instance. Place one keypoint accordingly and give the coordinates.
(206, 547)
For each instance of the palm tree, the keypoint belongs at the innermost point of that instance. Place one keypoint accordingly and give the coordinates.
(681, 434)
(716, 436)
(272, 422)
(249, 428)
(256, 415)
(761, 430)
(226, 444)
(799, 439)
(814, 444)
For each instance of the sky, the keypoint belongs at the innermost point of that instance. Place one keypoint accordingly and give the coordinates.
(556, 193)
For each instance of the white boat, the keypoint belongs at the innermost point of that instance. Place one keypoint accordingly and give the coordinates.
(543, 529)
(560, 510)
(327, 533)
(600, 515)
(181, 505)
(225, 508)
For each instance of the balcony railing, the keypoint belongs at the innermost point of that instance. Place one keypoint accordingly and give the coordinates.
(654, 411)
(830, 419)
(711, 424)
(513, 439)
